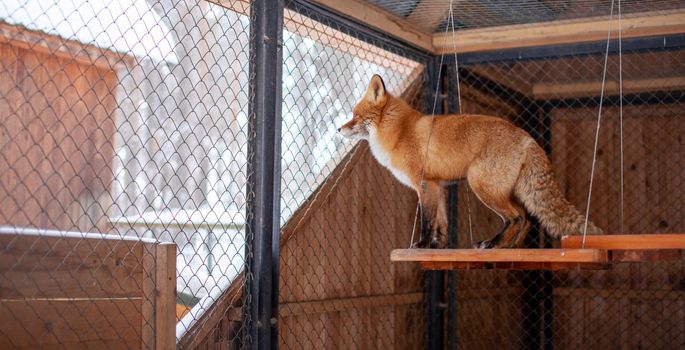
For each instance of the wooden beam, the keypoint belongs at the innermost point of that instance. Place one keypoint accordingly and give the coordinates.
(560, 32)
(593, 88)
(381, 20)
(308, 28)
(626, 242)
(500, 255)
(537, 265)
(165, 296)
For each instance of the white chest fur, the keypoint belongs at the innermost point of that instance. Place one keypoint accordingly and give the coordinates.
(383, 157)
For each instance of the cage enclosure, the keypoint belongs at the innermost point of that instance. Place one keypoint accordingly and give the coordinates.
(172, 176)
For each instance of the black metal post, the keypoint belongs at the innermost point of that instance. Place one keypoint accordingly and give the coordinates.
(435, 280)
(532, 281)
(452, 217)
(548, 288)
(537, 295)
(263, 170)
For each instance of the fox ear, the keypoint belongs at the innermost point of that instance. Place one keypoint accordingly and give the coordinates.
(375, 93)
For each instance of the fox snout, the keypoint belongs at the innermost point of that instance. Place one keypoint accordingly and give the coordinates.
(350, 130)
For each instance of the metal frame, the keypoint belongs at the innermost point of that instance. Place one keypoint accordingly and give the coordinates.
(434, 280)
(264, 175)
(260, 311)
(452, 215)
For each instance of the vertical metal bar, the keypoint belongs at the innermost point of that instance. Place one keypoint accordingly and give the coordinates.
(532, 280)
(452, 216)
(435, 280)
(548, 288)
(538, 289)
(263, 169)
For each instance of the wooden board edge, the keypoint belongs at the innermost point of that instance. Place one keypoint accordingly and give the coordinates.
(501, 255)
(626, 242)
(559, 32)
(165, 295)
(382, 20)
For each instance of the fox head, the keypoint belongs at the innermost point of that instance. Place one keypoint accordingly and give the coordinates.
(368, 111)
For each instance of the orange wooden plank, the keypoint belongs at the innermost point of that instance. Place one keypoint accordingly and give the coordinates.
(501, 255)
(441, 265)
(626, 242)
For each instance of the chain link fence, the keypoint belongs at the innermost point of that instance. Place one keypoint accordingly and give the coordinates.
(342, 211)
(124, 128)
(638, 189)
(121, 122)
(125, 125)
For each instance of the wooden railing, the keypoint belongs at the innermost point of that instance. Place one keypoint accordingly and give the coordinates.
(85, 290)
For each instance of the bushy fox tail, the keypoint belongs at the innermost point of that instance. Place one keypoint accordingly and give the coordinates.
(540, 194)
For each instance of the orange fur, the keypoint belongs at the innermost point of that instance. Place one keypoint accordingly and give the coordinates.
(504, 166)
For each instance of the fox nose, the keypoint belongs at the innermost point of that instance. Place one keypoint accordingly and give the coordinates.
(338, 129)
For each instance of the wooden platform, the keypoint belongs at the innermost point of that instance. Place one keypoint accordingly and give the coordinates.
(598, 252)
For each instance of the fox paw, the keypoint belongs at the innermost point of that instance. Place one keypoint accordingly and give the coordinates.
(419, 244)
(439, 242)
(486, 244)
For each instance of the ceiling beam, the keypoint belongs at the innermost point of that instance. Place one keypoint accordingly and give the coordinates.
(593, 88)
(559, 32)
(381, 20)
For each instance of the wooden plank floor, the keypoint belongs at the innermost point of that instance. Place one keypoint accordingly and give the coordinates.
(597, 252)
(520, 259)
(627, 242)
(632, 248)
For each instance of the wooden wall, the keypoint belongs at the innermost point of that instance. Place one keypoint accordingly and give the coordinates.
(630, 306)
(56, 132)
(85, 291)
(637, 305)
(338, 287)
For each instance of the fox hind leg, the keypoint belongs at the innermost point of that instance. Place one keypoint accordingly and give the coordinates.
(514, 236)
(500, 201)
(433, 198)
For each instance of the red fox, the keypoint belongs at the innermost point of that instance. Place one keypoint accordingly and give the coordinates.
(503, 165)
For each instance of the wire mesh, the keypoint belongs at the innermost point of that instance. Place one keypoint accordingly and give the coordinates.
(120, 120)
(432, 16)
(340, 210)
(557, 101)
(124, 125)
